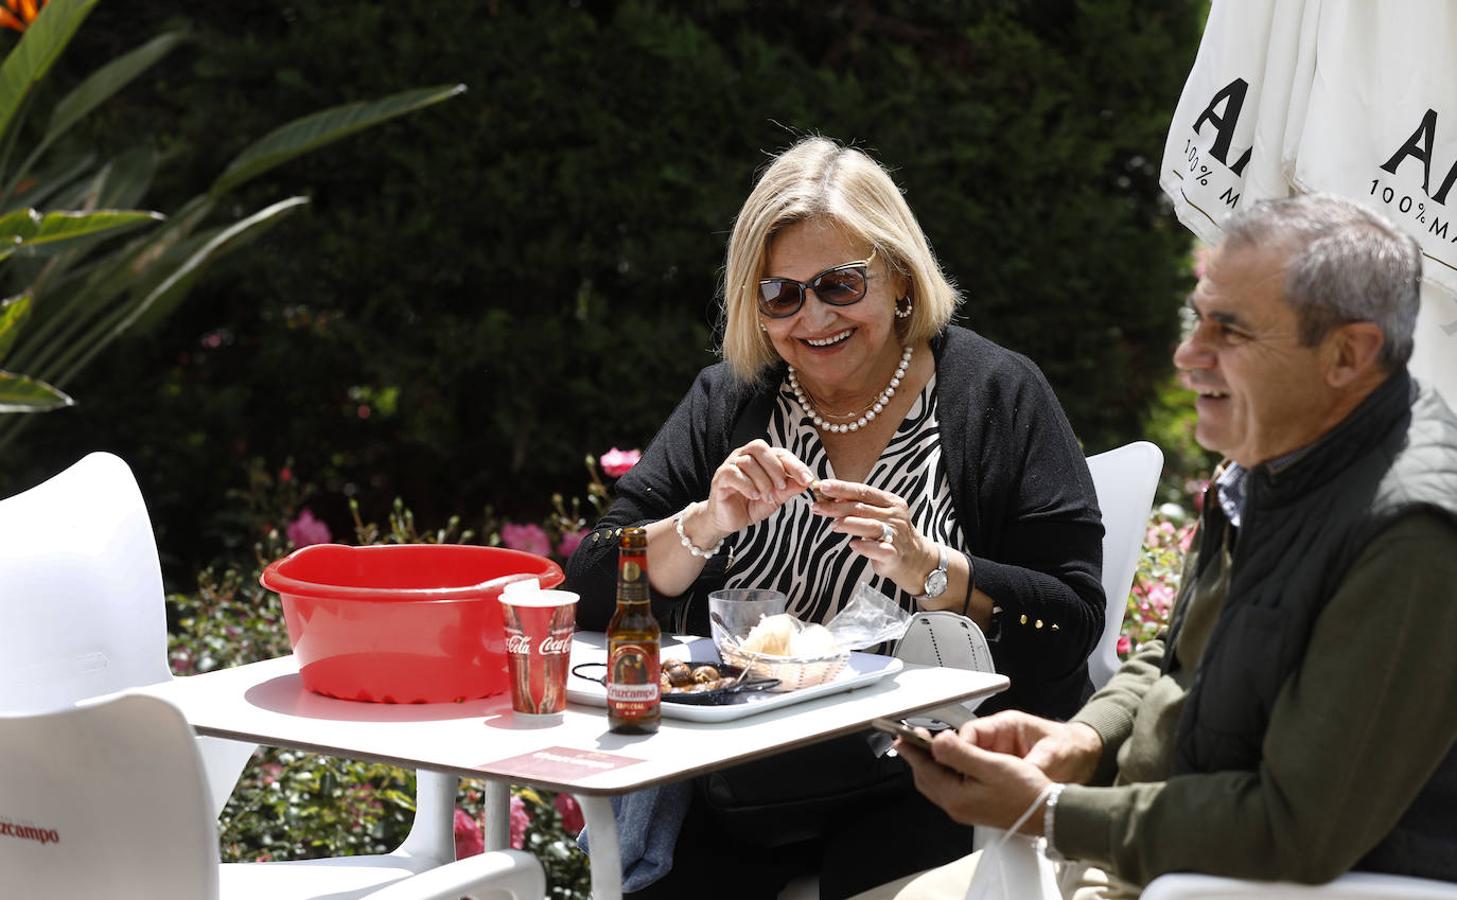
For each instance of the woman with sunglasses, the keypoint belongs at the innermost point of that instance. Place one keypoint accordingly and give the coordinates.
(853, 434)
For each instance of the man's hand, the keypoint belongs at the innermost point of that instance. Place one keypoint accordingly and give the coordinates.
(1067, 752)
(976, 786)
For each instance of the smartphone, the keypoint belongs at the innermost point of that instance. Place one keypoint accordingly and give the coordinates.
(902, 730)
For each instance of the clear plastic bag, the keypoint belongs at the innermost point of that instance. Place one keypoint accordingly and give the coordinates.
(870, 618)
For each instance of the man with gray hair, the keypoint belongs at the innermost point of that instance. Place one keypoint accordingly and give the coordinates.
(1297, 719)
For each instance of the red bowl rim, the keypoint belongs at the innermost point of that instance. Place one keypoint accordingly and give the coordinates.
(274, 580)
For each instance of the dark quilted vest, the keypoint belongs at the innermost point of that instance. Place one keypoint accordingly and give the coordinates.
(1303, 526)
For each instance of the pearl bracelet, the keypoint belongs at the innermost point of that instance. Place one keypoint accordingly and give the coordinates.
(688, 544)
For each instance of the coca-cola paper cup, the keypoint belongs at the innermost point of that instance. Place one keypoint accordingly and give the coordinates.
(539, 626)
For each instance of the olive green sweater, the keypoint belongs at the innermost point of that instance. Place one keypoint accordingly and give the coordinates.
(1354, 735)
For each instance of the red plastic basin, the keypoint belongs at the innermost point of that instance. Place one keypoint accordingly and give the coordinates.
(401, 623)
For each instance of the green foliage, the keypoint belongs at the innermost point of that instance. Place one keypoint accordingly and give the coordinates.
(1156, 581)
(1170, 424)
(27, 64)
(292, 805)
(321, 128)
(536, 273)
(82, 300)
(20, 393)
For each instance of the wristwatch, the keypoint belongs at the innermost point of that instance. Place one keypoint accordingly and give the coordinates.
(936, 581)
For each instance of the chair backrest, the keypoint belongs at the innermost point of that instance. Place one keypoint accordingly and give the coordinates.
(104, 800)
(1351, 886)
(81, 603)
(1125, 480)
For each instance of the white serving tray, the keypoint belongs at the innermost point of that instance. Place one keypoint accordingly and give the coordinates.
(862, 669)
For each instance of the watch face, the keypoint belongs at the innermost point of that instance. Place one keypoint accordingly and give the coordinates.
(936, 583)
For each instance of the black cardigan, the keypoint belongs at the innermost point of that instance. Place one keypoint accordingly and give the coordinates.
(1019, 484)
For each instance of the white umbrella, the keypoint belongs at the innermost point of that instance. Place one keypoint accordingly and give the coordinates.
(1344, 96)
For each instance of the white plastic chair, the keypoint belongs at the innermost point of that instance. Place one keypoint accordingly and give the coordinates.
(82, 614)
(949, 640)
(1353, 886)
(110, 799)
(1125, 480)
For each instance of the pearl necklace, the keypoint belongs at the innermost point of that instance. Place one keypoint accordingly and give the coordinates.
(875, 408)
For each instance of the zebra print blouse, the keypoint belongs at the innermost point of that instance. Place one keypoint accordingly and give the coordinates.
(794, 550)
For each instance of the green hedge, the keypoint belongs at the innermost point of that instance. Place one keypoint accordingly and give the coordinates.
(528, 273)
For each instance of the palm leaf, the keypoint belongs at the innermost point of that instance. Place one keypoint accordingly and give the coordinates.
(39, 48)
(171, 291)
(313, 131)
(163, 299)
(46, 232)
(14, 224)
(62, 316)
(13, 313)
(95, 90)
(20, 394)
(119, 184)
(42, 187)
(128, 178)
(106, 81)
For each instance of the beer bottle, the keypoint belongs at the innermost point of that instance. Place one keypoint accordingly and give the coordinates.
(633, 637)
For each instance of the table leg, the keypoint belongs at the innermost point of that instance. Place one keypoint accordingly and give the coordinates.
(497, 807)
(606, 856)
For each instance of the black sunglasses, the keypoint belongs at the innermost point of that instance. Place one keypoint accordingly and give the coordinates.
(841, 285)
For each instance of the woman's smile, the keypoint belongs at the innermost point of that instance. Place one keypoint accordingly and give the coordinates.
(831, 342)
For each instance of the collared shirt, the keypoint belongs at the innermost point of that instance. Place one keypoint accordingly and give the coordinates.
(1229, 486)
(1230, 482)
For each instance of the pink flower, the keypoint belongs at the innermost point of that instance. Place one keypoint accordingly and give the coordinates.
(468, 838)
(531, 538)
(570, 539)
(1201, 260)
(520, 821)
(1197, 489)
(1125, 644)
(615, 462)
(307, 530)
(572, 819)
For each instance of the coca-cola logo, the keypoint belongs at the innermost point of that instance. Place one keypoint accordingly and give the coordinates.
(551, 645)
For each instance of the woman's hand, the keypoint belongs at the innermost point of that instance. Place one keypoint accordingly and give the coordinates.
(881, 523)
(755, 480)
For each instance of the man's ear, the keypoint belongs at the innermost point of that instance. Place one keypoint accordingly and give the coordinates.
(1352, 352)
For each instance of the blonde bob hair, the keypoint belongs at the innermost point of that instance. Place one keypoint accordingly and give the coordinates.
(819, 179)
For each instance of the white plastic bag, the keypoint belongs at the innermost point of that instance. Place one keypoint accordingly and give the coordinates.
(1013, 867)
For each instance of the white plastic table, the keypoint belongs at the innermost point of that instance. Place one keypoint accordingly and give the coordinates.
(266, 703)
